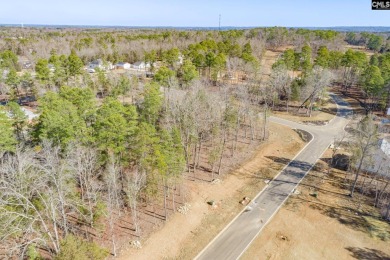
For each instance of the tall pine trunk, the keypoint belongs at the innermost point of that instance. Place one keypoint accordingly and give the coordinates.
(221, 155)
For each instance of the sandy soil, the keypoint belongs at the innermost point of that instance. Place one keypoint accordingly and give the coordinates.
(175, 240)
(269, 59)
(369, 53)
(326, 227)
(308, 234)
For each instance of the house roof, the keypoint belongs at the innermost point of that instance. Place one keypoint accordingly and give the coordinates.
(138, 63)
(97, 62)
(122, 63)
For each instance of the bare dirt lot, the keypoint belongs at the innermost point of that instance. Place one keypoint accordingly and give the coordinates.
(269, 58)
(325, 226)
(175, 240)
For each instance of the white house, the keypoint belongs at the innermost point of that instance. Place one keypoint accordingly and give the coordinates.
(96, 64)
(51, 67)
(180, 60)
(99, 64)
(123, 65)
(141, 65)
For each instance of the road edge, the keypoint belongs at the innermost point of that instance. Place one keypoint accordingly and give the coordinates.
(258, 194)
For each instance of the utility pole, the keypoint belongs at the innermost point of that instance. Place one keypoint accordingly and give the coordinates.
(219, 25)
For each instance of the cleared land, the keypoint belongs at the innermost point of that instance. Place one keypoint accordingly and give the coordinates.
(203, 222)
(328, 226)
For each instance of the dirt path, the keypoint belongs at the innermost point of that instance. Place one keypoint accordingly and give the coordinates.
(268, 60)
(176, 238)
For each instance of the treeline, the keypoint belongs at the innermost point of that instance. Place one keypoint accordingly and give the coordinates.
(207, 58)
(109, 45)
(130, 45)
(375, 42)
(350, 68)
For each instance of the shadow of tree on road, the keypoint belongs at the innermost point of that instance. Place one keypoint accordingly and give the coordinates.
(280, 160)
(367, 253)
(295, 163)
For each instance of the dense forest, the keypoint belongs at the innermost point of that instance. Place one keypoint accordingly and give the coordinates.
(107, 143)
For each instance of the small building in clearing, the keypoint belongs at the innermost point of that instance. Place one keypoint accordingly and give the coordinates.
(99, 64)
(51, 67)
(141, 65)
(123, 65)
(96, 64)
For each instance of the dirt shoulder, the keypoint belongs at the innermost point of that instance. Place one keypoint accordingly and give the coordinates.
(325, 113)
(202, 223)
(325, 226)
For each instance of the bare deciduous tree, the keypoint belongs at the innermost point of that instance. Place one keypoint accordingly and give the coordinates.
(133, 185)
(113, 200)
(84, 163)
(314, 87)
(364, 141)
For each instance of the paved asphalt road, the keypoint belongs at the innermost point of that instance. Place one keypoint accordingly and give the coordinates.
(232, 242)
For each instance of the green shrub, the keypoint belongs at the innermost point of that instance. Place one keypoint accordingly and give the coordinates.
(32, 253)
(73, 247)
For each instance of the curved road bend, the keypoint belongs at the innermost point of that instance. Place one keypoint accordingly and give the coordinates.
(236, 237)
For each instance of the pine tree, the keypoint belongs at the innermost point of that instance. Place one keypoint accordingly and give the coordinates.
(19, 119)
(115, 125)
(75, 64)
(59, 121)
(152, 104)
(7, 138)
(42, 70)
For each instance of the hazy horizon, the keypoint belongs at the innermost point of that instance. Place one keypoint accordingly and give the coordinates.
(174, 13)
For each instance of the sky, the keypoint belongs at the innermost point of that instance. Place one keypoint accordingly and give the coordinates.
(200, 13)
